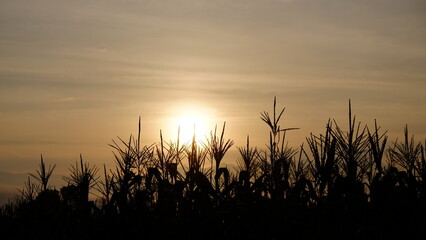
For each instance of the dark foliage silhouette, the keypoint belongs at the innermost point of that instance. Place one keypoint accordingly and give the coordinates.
(344, 184)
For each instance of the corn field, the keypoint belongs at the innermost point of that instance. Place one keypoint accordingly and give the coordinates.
(345, 183)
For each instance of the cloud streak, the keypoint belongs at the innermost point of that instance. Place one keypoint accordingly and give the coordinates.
(65, 99)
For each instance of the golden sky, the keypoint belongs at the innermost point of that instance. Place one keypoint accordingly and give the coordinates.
(76, 74)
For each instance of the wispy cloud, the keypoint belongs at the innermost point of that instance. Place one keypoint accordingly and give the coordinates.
(98, 50)
(65, 99)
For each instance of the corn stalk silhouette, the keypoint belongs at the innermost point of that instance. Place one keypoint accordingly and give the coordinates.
(168, 189)
(43, 175)
(217, 147)
(322, 166)
(277, 159)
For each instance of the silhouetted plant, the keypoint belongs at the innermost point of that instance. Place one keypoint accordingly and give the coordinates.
(196, 156)
(28, 193)
(299, 168)
(322, 166)
(82, 175)
(217, 147)
(352, 149)
(276, 162)
(104, 187)
(249, 160)
(131, 160)
(43, 176)
(82, 178)
(122, 177)
(167, 159)
(377, 148)
(280, 192)
(406, 154)
(276, 138)
(421, 168)
(377, 170)
(8, 210)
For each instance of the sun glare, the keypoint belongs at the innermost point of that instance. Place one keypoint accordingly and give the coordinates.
(190, 124)
(191, 120)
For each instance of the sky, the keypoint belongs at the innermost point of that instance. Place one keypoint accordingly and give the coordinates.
(76, 74)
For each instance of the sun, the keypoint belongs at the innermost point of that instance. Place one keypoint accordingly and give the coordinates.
(191, 121)
(189, 125)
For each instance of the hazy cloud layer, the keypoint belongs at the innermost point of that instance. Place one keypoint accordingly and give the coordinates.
(82, 71)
